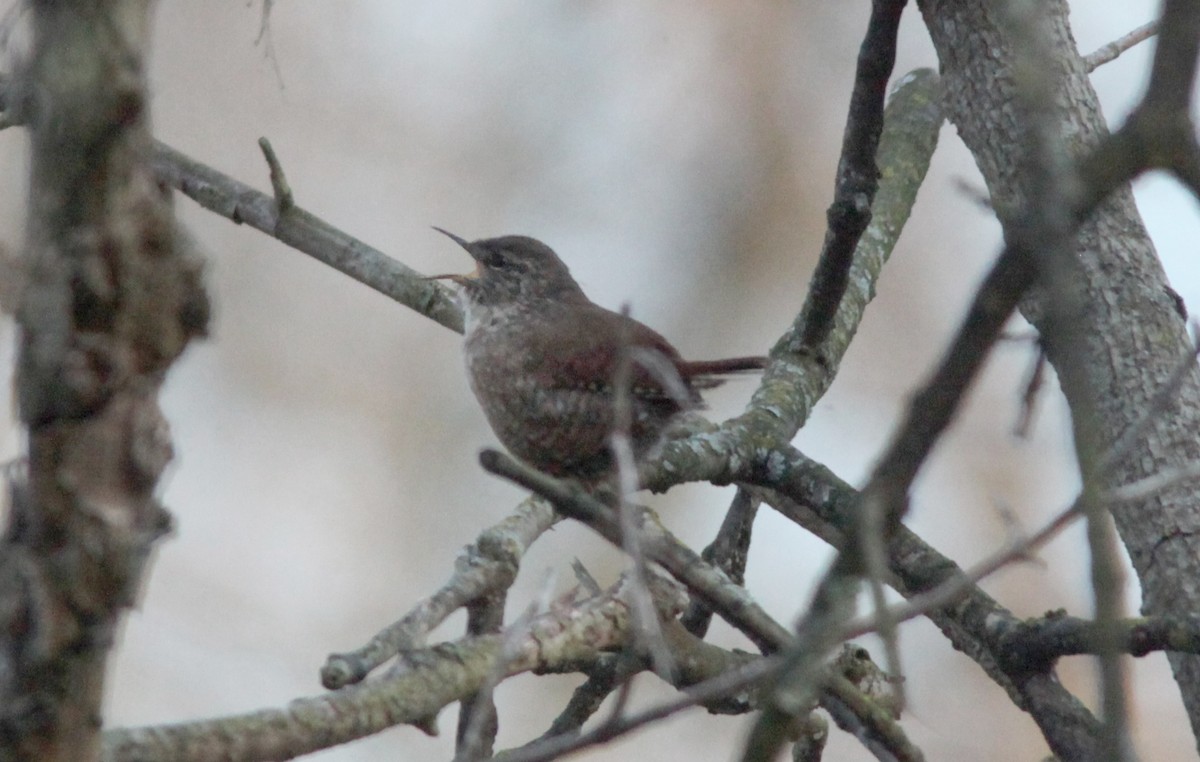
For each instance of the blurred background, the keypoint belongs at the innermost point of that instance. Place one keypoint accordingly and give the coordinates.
(679, 155)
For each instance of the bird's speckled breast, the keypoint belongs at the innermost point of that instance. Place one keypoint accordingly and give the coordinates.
(528, 416)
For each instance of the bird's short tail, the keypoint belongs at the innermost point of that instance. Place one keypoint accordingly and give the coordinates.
(726, 366)
(705, 374)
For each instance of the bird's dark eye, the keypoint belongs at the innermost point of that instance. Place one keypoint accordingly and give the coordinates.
(499, 259)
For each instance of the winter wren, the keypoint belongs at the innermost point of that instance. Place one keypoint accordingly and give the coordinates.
(541, 358)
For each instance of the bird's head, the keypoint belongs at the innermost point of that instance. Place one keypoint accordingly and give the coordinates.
(513, 269)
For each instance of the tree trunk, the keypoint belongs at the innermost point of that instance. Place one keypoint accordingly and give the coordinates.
(110, 302)
(1135, 336)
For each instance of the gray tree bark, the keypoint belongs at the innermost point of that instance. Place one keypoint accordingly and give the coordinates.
(1134, 334)
(110, 301)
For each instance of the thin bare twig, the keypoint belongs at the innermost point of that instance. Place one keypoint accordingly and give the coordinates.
(858, 175)
(268, 41)
(645, 617)
(1106, 53)
(729, 552)
(957, 586)
(306, 233)
(1151, 485)
(284, 200)
(1159, 134)
(478, 722)
(489, 564)
(730, 682)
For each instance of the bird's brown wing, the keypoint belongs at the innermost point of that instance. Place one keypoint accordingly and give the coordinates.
(589, 361)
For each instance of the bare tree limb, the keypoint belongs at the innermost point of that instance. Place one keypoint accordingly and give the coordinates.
(487, 566)
(412, 693)
(1110, 52)
(711, 585)
(858, 174)
(1133, 332)
(1037, 643)
(112, 299)
(917, 568)
(307, 233)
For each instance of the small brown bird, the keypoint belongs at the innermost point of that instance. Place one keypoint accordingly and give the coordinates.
(541, 358)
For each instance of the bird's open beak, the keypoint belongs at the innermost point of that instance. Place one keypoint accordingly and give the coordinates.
(457, 239)
(460, 279)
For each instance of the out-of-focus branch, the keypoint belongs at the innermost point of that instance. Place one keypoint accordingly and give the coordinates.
(1037, 643)
(732, 602)
(1131, 330)
(488, 565)
(1160, 133)
(412, 693)
(858, 174)
(112, 298)
(803, 489)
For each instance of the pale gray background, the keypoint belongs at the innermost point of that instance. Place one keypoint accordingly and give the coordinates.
(678, 155)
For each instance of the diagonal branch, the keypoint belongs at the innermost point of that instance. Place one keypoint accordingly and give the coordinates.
(858, 175)
(413, 694)
(709, 584)
(800, 483)
(487, 566)
(306, 232)
(1110, 52)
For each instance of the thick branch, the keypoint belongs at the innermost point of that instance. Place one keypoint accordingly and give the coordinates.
(411, 694)
(1131, 333)
(1036, 644)
(111, 301)
(709, 584)
(918, 568)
